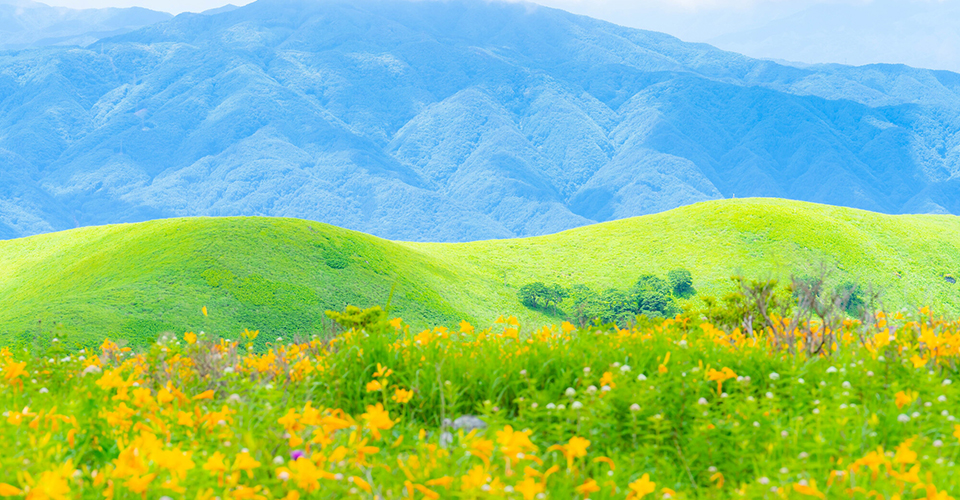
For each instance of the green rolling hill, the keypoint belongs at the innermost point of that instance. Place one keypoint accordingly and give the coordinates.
(132, 281)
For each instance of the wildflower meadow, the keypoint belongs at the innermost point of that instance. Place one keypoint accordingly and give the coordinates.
(669, 408)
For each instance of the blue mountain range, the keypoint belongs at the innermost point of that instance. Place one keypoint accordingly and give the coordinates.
(450, 121)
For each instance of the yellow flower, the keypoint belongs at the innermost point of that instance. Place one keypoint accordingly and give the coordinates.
(377, 419)
(577, 447)
(810, 490)
(363, 485)
(529, 487)
(441, 481)
(52, 485)
(374, 386)
(466, 327)
(13, 371)
(513, 442)
(246, 463)
(215, 464)
(641, 487)
(904, 454)
(305, 473)
(607, 379)
(588, 487)
(204, 310)
(382, 371)
(873, 460)
(208, 394)
(483, 449)
(164, 395)
(184, 418)
(911, 476)
(474, 479)
(567, 327)
(139, 484)
(7, 490)
(718, 477)
(956, 431)
(143, 398)
(719, 376)
(605, 460)
(402, 395)
(190, 337)
(176, 461)
(904, 398)
(424, 338)
(120, 417)
(574, 449)
(396, 323)
(918, 361)
(247, 493)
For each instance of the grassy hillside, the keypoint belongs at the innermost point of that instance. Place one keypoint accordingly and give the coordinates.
(279, 275)
(907, 257)
(276, 275)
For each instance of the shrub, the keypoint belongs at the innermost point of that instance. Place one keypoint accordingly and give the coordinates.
(537, 295)
(681, 282)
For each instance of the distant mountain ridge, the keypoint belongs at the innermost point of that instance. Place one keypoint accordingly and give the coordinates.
(451, 121)
(28, 24)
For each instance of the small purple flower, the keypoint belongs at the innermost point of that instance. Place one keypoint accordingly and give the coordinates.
(297, 454)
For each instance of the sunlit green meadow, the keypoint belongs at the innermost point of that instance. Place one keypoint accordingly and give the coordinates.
(134, 281)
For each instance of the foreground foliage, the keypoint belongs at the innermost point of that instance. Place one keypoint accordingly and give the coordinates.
(675, 408)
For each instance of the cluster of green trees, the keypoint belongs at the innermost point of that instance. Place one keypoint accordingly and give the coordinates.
(651, 296)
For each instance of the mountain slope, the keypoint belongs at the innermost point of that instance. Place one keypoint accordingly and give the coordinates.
(455, 121)
(278, 275)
